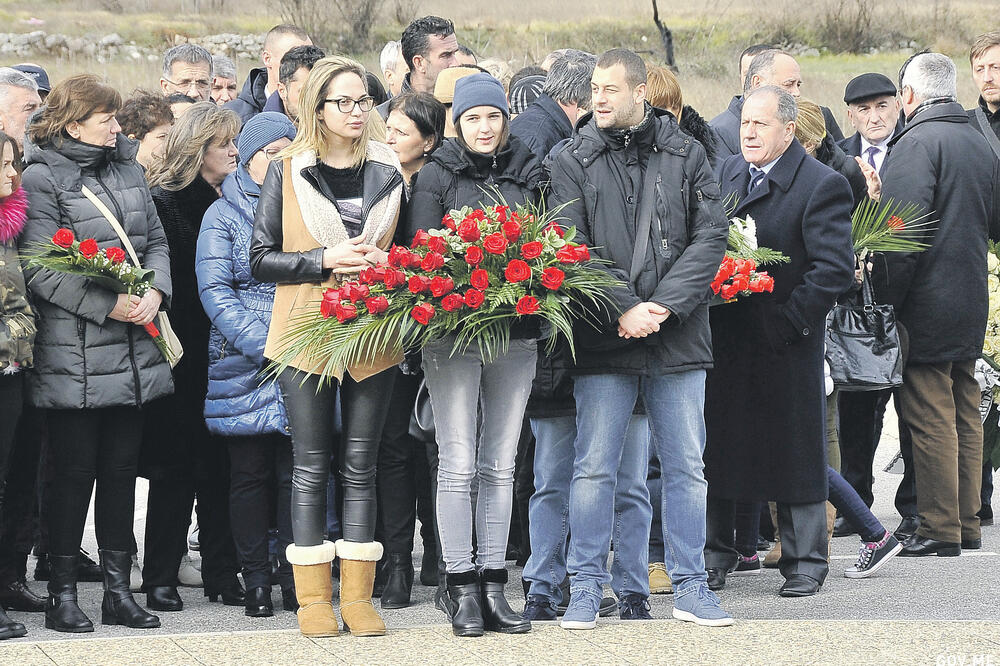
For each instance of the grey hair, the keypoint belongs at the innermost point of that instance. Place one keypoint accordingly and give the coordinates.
(223, 67)
(788, 109)
(390, 56)
(568, 80)
(12, 77)
(760, 64)
(189, 53)
(930, 76)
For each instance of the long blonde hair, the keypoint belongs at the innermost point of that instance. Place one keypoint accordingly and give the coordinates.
(313, 133)
(201, 126)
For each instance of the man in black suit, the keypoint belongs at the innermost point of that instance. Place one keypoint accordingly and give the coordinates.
(873, 109)
(727, 123)
(774, 448)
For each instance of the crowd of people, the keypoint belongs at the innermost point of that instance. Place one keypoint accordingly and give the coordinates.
(686, 438)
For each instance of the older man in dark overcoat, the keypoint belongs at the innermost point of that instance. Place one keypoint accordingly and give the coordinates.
(765, 401)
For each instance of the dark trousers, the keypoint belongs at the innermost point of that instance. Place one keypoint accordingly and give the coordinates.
(88, 446)
(403, 478)
(260, 478)
(850, 505)
(940, 403)
(524, 488)
(168, 517)
(804, 544)
(731, 531)
(11, 405)
(364, 408)
(19, 513)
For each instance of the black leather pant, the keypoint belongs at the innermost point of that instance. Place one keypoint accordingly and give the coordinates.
(364, 407)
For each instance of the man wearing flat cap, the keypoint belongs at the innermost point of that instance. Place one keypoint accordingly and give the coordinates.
(873, 109)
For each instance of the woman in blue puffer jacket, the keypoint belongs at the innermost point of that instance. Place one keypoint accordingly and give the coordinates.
(241, 405)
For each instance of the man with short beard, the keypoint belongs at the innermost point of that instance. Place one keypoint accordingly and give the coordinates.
(429, 45)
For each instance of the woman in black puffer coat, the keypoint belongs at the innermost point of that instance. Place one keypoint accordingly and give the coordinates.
(95, 367)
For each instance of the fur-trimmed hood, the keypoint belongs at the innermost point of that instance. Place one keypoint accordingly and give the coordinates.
(692, 123)
(13, 213)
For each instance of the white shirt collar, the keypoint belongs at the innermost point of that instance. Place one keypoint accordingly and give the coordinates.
(767, 167)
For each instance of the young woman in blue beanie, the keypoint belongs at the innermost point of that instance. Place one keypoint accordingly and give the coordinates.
(484, 162)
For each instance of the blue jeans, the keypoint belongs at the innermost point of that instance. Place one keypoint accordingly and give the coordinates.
(675, 407)
(853, 508)
(548, 510)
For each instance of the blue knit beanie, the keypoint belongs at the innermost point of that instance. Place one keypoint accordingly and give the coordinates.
(261, 130)
(478, 90)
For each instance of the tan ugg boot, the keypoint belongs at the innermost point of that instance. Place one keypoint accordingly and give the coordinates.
(357, 576)
(831, 518)
(773, 555)
(311, 567)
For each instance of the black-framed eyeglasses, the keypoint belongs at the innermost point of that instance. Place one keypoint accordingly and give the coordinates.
(346, 104)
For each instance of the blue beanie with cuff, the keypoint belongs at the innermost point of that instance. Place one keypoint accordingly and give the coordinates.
(478, 90)
(261, 130)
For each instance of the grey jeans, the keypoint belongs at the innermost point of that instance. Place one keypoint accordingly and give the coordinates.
(461, 387)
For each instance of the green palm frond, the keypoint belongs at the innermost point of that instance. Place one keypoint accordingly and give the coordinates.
(890, 226)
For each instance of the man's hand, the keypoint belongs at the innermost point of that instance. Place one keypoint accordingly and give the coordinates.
(146, 309)
(641, 320)
(872, 179)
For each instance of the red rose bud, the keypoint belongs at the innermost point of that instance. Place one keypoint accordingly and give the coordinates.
(358, 291)
(767, 282)
(567, 255)
(452, 302)
(495, 243)
(756, 286)
(517, 271)
(423, 313)
(63, 238)
(414, 260)
(441, 285)
(479, 279)
(474, 298)
(474, 255)
(728, 291)
(377, 304)
(432, 261)
(418, 284)
(327, 306)
(152, 330)
(399, 256)
(726, 269)
(552, 278)
(420, 238)
(556, 228)
(345, 311)
(741, 281)
(512, 230)
(437, 244)
(502, 212)
(115, 255)
(896, 223)
(527, 305)
(745, 266)
(448, 222)
(468, 230)
(531, 250)
(582, 252)
(88, 248)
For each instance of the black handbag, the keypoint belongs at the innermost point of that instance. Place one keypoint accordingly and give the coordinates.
(863, 344)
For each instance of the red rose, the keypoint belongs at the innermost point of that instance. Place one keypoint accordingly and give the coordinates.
(420, 238)
(399, 256)
(716, 286)
(527, 305)
(394, 278)
(741, 281)
(512, 230)
(474, 255)
(767, 282)
(556, 228)
(448, 222)
(756, 286)
(531, 250)
(479, 279)
(517, 271)
(468, 231)
(746, 266)
(358, 291)
(502, 212)
(452, 302)
(423, 313)
(726, 269)
(495, 243)
(567, 255)
(345, 311)
(63, 238)
(437, 244)
(418, 284)
(115, 255)
(432, 261)
(326, 307)
(88, 248)
(414, 260)
(441, 285)
(474, 298)
(373, 275)
(896, 223)
(552, 278)
(582, 252)
(728, 291)
(377, 304)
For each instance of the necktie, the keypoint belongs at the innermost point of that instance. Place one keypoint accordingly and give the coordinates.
(872, 152)
(756, 176)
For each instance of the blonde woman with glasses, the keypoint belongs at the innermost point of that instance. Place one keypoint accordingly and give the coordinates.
(328, 208)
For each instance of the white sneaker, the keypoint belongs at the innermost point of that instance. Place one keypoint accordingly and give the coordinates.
(189, 574)
(135, 576)
(193, 542)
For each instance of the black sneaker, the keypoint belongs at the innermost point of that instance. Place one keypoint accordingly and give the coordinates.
(873, 555)
(985, 514)
(747, 566)
(539, 609)
(634, 607)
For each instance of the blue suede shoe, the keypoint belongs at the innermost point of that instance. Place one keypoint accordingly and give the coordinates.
(701, 606)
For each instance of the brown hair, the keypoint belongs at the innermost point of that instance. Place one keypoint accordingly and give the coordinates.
(663, 90)
(501, 144)
(72, 100)
(143, 112)
(6, 139)
(810, 127)
(984, 43)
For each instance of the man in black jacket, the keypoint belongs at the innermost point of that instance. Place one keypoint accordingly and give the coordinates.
(429, 45)
(727, 123)
(262, 82)
(941, 164)
(565, 96)
(641, 192)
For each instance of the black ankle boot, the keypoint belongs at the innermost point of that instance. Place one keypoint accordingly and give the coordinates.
(467, 610)
(9, 628)
(429, 566)
(61, 610)
(119, 607)
(258, 603)
(497, 613)
(399, 581)
(164, 598)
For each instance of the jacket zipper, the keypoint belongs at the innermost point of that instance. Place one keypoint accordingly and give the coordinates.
(135, 369)
(664, 243)
(81, 330)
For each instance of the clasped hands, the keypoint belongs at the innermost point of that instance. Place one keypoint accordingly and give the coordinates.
(641, 320)
(351, 256)
(131, 309)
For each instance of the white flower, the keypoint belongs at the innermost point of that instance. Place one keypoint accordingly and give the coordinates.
(992, 263)
(748, 229)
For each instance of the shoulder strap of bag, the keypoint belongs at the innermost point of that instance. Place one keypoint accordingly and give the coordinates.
(114, 224)
(647, 197)
(991, 136)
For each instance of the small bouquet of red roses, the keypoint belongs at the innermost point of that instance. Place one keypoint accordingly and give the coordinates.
(738, 275)
(485, 269)
(107, 267)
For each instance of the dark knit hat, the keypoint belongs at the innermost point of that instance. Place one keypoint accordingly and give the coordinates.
(525, 91)
(261, 130)
(478, 90)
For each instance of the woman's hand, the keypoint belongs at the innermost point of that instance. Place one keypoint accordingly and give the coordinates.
(146, 310)
(872, 178)
(348, 257)
(124, 306)
(376, 257)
